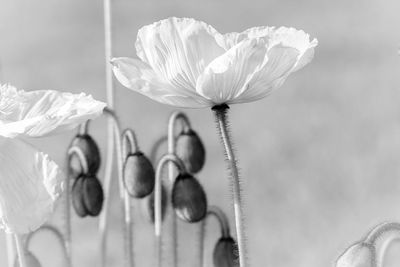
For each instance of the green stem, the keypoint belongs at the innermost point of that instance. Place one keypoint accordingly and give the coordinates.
(220, 112)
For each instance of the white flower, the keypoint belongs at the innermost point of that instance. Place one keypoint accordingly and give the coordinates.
(187, 63)
(39, 113)
(30, 183)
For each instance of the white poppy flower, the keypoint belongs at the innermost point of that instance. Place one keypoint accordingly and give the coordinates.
(187, 63)
(30, 184)
(43, 112)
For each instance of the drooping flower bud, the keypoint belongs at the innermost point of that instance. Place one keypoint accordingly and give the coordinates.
(139, 176)
(148, 205)
(189, 199)
(92, 195)
(31, 260)
(190, 149)
(77, 197)
(226, 253)
(358, 255)
(91, 152)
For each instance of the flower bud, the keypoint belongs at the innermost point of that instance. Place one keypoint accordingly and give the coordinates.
(92, 195)
(358, 255)
(148, 205)
(226, 253)
(139, 175)
(189, 199)
(77, 197)
(90, 150)
(190, 149)
(31, 260)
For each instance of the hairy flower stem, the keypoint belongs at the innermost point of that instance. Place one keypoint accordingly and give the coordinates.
(158, 198)
(20, 250)
(125, 200)
(220, 112)
(223, 224)
(173, 119)
(380, 238)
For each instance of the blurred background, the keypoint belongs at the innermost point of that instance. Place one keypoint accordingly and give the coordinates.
(320, 158)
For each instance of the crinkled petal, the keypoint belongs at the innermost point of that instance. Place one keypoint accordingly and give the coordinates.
(226, 76)
(43, 112)
(280, 63)
(138, 76)
(178, 49)
(30, 184)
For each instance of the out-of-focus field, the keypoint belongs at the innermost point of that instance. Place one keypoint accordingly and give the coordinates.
(320, 158)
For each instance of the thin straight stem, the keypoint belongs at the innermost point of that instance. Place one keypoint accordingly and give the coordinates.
(10, 249)
(20, 250)
(110, 130)
(176, 116)
(158, 198)
(125, 200)
(213, 211)
(222, 125)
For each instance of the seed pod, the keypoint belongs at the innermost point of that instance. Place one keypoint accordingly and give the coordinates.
(190, 149)
(148, 205)
(226, 253)
(77, 197)
(90, 150)
(189, 199)
(92, 195)
(139, 175)
(31, 260)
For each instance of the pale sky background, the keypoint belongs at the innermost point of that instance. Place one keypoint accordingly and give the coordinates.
(320, 158)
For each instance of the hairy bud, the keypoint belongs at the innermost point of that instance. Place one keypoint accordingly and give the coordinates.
(90, 150)
(87, 196)
(139, 176)
(189, 199)
(77, 197)
(226, 253)
(190, 149)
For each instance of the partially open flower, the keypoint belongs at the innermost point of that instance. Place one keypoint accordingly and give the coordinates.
(190, 149)
(189, 199)
(91, 152)
(31, 260)
(187, 63)
(139, 175)
(42, 112)
(226, 253)
(30, 184)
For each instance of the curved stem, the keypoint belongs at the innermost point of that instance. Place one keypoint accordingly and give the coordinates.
(175, 116)
(128, 242)
(129, 140)
(381, 238)
(157, 200)
(82, 159)
(156, 147)
(223, 224)
(222, 125)
(57, 233)
(20, 250)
